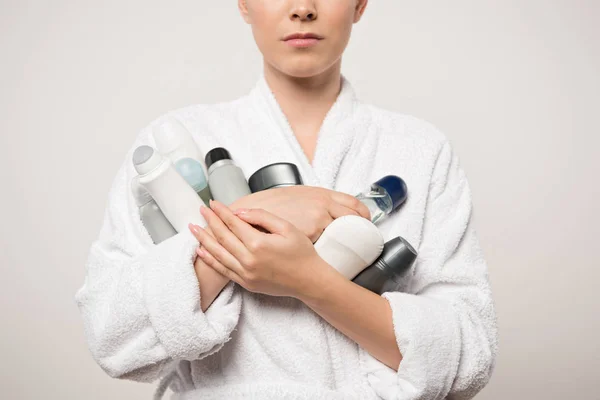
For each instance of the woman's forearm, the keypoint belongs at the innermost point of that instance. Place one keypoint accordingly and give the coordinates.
(358, 313)
(210, 281)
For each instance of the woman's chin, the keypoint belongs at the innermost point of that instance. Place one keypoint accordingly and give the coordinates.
(300, 69)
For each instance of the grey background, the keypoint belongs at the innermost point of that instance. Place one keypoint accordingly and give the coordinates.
(514, 84)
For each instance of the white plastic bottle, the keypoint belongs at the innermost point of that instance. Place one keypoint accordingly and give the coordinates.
(174, 141)
(350, 244)
(155, 222)
(177, 200)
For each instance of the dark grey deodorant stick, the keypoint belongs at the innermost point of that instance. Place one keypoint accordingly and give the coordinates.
(385, 273)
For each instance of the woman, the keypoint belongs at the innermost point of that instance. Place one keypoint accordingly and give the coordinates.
(253, 311)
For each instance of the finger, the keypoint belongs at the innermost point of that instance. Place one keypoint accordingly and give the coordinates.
(240, 228)
(213, 247)
(337, 210)
(223, 235)
(264, 219)
(212, 262)
(351, 202)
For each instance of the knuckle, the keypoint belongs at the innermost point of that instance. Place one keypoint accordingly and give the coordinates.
(229, 220)
(322, 201)
(220, 237)
(317, 217)
(249, 276)
(250, 281)
(229, 274)
(255, 245)
(250, 263)
(355, 203)
(317, 213)
(287, 228)
(313, 230)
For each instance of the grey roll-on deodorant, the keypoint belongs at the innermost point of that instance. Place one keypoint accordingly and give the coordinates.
(225, 179)
(275, 175)
(386, 272)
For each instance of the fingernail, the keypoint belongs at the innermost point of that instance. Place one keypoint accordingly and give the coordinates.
(200, 252)
(240, 211)
(194, 228)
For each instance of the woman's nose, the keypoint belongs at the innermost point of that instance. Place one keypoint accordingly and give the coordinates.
(304, 11)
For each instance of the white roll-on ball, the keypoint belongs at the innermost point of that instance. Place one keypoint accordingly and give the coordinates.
(350, 244)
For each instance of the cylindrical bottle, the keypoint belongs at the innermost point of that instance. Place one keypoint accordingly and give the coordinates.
(191, 170)
(275, 175)
(155, 222)
(384, 196)
(350, 244)
(226, 180)
(386, 272)
(174, 141)
(177, 200)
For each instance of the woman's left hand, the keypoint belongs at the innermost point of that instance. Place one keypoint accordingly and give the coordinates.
(278, 261)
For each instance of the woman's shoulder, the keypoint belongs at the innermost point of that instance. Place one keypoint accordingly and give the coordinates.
(202, 113)
(206, 122)
(407, 126)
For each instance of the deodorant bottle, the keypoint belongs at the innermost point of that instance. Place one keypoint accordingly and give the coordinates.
(386, 272)
(155, 222)
(350, 244)
(384, 196)
(275, 175)
(174, 141)
(226, 180)
(177, 200)
(192, 172)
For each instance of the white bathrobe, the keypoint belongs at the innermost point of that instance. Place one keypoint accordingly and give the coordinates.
(140, 302)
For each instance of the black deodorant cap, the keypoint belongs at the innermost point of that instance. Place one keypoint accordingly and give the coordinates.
(397, 258)
(273, 175)
(216, 154)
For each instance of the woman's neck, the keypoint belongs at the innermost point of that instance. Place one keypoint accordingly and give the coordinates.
(305, 101)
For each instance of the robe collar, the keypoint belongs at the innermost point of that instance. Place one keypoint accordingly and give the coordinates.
(334, 138)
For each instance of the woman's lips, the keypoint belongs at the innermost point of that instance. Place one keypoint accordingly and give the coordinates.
(302, 42)
(302, 39)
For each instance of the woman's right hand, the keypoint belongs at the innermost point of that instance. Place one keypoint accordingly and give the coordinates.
(309, 208)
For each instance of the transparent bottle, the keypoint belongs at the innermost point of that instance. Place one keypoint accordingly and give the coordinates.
(384, 196)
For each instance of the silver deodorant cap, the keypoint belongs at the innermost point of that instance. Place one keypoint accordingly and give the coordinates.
(274, 175)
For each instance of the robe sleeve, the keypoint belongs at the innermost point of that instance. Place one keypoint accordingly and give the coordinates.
(445, 325)
(140, 302)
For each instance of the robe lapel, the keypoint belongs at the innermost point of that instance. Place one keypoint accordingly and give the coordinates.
(334, 139)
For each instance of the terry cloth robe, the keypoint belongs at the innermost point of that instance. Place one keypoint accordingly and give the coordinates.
(140, 302)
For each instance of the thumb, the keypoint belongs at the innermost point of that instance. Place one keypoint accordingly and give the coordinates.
(264, 219)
